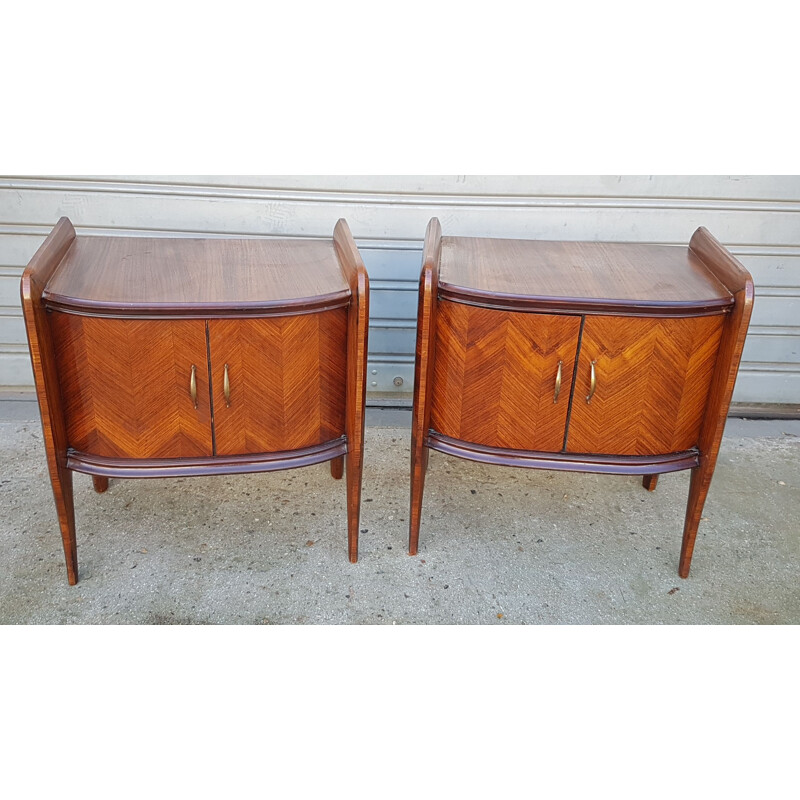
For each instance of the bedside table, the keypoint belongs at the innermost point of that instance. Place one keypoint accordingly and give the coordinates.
(581, 356)
(158, 357)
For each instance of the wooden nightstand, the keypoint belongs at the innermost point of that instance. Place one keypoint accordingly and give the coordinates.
(585, 356)
(158, 357)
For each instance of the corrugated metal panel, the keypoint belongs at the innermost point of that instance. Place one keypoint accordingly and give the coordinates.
(758, 217)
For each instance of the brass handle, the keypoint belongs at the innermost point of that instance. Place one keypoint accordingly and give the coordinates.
(558, 382)
(593, 385)
(226, 387)
(193, 385)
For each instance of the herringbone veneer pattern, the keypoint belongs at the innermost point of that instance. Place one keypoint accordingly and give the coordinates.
(126, 386)
(495, 374)
(287, 381)
(653, 378)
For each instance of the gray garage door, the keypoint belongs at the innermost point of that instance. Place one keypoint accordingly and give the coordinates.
(757, 217)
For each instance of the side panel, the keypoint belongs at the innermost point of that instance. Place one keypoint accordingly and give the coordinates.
(495, 376)
(126, 386)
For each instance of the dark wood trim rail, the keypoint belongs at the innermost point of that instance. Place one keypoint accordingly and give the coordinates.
(216, 465)
(570, 462)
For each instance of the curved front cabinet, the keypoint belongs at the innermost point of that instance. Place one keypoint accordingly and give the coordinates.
(504, 379)
(174, 389)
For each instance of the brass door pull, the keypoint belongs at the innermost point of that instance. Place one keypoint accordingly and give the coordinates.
(592, 386)
(193, 385)
(558, 382)
(226, 387)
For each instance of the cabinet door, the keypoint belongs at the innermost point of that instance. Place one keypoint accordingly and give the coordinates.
(652, 378)
(127, 386)
(286, 381)
(496, 374)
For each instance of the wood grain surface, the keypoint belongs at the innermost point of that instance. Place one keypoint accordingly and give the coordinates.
(286, 378)
(423, 374)
(355, 275)
(159, 357)
(495, 376)
(740, 283)
(582, 276)
(126, 386)
(133, 276)
(652, 383)
(42, 266)
(662, 329)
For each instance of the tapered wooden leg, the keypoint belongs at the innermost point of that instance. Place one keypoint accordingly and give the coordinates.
(62, 492)
(419, 466)
(337, 467)
(698, 491)
(355, 462)
(649, 482)
(100, 483)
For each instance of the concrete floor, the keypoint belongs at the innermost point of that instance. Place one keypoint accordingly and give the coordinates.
(498, 545)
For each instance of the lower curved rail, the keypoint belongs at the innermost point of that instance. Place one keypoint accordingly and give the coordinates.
(571, 462)
(205, 465)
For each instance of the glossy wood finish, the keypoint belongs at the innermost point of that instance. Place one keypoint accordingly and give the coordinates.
(286, 381)
(652, 381)
(34, 280)
(132, 341)
(355, 273)
(739, 282)
(197, 277)
(583, 277)
(205, 465)
(662, 329)
(126, 386)
(423, 374)
(495, 375)
(568, 462)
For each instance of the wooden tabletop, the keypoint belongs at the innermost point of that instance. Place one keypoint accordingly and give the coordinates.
(135, 275)
(593, 276)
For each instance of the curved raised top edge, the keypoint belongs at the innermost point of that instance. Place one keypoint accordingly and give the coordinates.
(572, 462)
(300, 305)
(581, 305)
(205, 465)
(720, 262)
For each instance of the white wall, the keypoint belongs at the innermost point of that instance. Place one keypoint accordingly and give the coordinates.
(757, 217)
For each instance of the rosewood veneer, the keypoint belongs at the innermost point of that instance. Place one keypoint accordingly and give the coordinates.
(158, 357)
(585, 356)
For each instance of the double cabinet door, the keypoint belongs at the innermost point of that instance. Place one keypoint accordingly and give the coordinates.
(596, 384)
(182, 388)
